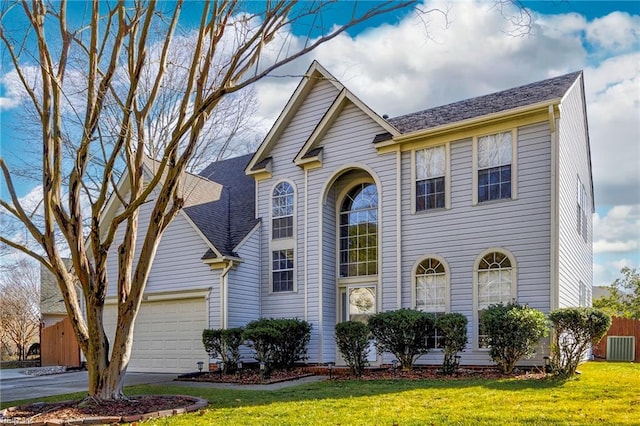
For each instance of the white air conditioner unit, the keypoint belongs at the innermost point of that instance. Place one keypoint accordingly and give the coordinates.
(621, 348)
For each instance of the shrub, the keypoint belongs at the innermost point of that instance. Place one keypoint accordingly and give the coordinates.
(513, 331)
(224, 344)
(453, 329)
(402, 332)
(575, 329)
(352, 339)
(279, 343)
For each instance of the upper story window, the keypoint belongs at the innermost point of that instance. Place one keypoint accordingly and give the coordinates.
(581, 213)
(496, 283)
(431, 172)
(495, 167)
(282, 211)
(282, 270)
(359, 231)
(431, 291)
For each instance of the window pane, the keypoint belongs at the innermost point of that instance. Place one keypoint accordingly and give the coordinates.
(282, 270)
(362, 303)
(494, 183)
(282, 211)
(359, 232)
(430, 163)
(494, 150)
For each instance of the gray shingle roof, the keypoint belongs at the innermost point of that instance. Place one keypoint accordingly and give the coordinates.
(227, 221)
(516, 97)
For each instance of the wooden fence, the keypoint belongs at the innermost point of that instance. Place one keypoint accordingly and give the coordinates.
(58, 345)
(619, 327)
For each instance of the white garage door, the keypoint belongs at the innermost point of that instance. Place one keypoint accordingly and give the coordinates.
(167, 337)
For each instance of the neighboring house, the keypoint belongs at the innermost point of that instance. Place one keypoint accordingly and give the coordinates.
(345, 213)
(52, 309)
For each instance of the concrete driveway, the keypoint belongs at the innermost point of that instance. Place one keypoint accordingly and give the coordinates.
(16, 386)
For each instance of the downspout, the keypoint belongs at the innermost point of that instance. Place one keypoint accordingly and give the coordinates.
(555, 211)
(306, 251)
(398, 230)
(224, 295)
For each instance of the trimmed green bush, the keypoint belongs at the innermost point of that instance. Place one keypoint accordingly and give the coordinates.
(513, 331)
(352, 339)
(453, 329)
(574, 330)
(279, 343)
(403, 333)
(224, 344)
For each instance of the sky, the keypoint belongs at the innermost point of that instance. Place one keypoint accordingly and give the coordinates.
(403, 63)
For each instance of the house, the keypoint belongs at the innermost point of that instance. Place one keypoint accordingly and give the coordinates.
(342, 213)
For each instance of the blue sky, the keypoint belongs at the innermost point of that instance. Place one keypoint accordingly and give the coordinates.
(387, 59)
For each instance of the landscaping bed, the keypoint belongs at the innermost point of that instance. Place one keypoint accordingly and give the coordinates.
(131, 409)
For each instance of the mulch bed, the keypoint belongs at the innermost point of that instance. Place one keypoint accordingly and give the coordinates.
(247, 377)
(91, 411)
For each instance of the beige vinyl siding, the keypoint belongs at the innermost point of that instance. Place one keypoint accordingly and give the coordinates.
(575, 256)
(177, 265)
(348, 143)
(287, 304)
(460, 234)
(243, 303)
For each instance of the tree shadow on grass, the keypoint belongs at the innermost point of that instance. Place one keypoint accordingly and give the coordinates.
(340, 389)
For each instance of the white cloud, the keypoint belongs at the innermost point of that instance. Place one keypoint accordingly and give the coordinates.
(616, 32)
(618, 231)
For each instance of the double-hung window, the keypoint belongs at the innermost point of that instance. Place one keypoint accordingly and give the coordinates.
(282, 270)
(581, 198)
(282, 238)
(431, 176)
(431, 293)
(495, 168)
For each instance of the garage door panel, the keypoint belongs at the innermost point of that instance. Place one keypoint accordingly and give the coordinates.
(167, 335)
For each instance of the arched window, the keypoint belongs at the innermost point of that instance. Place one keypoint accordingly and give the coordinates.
(431, 292)
(495, 284)
(359, 232)
(282, 211)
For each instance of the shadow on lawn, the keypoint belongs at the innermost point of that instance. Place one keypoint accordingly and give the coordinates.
(340, 389)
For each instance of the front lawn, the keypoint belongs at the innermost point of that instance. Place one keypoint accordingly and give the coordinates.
(605, 393)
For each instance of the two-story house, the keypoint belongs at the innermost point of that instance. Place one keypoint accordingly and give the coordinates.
(342, 213)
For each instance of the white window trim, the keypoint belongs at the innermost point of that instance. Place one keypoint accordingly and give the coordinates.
(514, 166)
(447, 288)
(338, 207)
(447, 179)
(514, 289)
(283, 243)
(295, 271)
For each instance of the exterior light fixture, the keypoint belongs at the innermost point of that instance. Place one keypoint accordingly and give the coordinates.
(394, 364)
(239, 365)
(263, 369)
(200, 366)
(219, 365)
(330, 366)
(547, 364)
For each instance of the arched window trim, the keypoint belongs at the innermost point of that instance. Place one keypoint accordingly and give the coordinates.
(272, 217)
(414, 280)
(339, 203)
(476, 270)
(284, 244)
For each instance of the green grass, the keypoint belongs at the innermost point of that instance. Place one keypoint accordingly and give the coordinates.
(605, 393)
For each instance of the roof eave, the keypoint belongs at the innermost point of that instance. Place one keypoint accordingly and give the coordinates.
(471, 122)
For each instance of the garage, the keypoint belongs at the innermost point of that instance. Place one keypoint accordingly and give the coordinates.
(167, 336)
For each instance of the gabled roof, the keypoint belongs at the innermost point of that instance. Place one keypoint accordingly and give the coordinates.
(529, 94)
(194, 189)
(315, 73)
(227, 220)
(344, 97)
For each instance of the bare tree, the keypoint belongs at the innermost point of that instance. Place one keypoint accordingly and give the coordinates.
(19, 306)
(94, 86)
